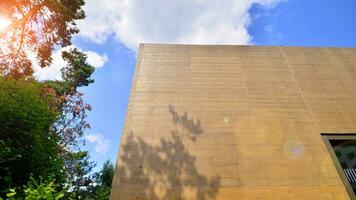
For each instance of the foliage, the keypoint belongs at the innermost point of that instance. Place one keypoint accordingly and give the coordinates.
(25, 120)
(37, 190)
(42, 123)
(78, 72)
(104, 177)
(78, 173)
(103, 180)
(11, 194)
(75, 74)
(71, 122)
(37, 26)
(42, 190)
(100, 193)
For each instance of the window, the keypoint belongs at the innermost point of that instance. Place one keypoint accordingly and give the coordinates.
(342, 148)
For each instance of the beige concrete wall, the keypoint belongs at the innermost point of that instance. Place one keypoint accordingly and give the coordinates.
(235, 122)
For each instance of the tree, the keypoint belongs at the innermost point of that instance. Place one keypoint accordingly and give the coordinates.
(46, 119)
(25, 138)
(78, 173)
(78, 71)
(43, 189)
(106, 174)
(71, 122)
(103, 180)
(37, 27)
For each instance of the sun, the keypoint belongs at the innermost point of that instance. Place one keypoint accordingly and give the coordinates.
(4, 22)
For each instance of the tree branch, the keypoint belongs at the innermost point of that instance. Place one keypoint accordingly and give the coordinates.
(22, 21)
(21, 40)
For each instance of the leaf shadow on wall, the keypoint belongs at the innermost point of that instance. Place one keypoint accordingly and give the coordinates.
(190, 125)
(166, 170)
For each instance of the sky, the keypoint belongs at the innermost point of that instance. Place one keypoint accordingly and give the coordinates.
(113, 29)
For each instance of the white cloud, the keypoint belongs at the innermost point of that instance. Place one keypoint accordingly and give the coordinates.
(169, 21)
(102, 144)
(95, 59)
(53, 72)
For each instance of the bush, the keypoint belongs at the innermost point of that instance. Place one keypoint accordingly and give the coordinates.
(27, 147)
(46, 190)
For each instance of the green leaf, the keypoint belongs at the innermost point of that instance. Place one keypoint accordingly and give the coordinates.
(11, 193)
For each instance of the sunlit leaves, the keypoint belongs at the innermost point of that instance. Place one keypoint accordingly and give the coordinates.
(37, 26)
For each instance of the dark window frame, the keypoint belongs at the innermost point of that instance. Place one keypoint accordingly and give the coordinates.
(337, 136)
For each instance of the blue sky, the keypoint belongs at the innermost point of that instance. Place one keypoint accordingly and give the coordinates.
(306, 23)
(113, 29)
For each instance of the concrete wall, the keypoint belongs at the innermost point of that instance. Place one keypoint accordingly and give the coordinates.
(235, 122)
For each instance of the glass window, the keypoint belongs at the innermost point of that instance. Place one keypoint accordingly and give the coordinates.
(343, 152)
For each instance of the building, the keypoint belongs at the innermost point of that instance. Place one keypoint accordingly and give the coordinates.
(239, 122)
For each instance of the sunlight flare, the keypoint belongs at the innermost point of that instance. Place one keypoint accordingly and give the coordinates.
(4, 22)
